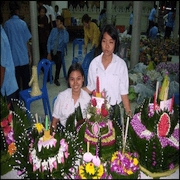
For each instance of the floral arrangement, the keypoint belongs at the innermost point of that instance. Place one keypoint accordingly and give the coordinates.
(98, 109)
(7, 136)
(155, 128)
(91, 168)
(27, 133)
(124, 166)
(144, 80)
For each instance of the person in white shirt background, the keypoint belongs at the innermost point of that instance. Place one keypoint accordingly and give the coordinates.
(56, 9)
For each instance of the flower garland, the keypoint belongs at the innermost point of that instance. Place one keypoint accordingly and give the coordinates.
(124, 164)
(91, 168)
(7, 126)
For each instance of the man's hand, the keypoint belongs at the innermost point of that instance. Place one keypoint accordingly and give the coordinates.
(49, 56)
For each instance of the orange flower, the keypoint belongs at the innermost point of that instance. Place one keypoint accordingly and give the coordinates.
(11, 148)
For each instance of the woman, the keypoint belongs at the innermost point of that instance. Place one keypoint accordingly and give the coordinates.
(43, 31)
(70, 98)
(111, 69)
(91, 33)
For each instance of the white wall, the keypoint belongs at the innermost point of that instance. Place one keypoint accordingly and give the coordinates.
(119, 10)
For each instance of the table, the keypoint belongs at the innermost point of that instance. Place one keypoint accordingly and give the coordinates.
(13, 175)
(75, 32)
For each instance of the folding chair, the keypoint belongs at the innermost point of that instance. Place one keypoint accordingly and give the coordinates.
(28, 99)
(86, 62)
(80, 43)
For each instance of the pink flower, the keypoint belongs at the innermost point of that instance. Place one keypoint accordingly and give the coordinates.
(9, 117)
(4, 123)
(7, 129)
(104, 112)
(93, 102)
(66, 154)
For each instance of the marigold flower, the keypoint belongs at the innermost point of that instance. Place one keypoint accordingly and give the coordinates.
(90, 168)
(100, 170)
(39, 127)
(12, 148)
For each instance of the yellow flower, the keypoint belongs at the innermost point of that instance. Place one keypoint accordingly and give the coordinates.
(129, 172)
(95, 177)
(11, 148)
(39, 127)
(81, 170)
(90, 168)
(135, 161)
(114, 156)
(100, 170)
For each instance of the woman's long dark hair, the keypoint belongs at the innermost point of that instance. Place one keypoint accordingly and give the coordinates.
(112, 31)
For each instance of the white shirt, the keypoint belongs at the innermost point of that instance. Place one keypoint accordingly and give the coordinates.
(64, 105)
(50, 11)
(114, 79)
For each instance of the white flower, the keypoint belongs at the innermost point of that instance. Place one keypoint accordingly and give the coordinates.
(108, 106)
(88, 115)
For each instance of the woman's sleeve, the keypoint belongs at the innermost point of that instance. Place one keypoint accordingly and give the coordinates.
(86, 39)
(96, 35)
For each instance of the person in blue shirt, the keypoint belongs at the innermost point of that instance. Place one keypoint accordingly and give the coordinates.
(169, 23)
(8, 81)
(130, 23)
(153, 32)
(151, 19)
(19, 36)
(102, 19)
(58, 37)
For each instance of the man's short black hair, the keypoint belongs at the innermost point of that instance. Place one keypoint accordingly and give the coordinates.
(13, 5)
(61, 18)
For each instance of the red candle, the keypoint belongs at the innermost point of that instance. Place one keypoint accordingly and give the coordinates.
(172, 102)
(97, 85)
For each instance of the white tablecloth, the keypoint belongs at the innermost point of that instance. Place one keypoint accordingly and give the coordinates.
(13, 175)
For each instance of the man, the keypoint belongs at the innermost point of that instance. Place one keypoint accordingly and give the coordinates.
(8, 81)
(151, 19)
(55, 45)
(19, 36)
(153, 32)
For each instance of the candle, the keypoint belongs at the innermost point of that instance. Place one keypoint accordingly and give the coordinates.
(46, 123)
(125, 137)
(36, 116)
(172, 102)
(122, 121)
(40, 120)
(97, 85)
(157, 87)
(87, 146)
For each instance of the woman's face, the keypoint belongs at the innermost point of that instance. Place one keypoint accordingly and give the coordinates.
(76, 81)
(42, 13)
(107, 44)
(86, 25)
